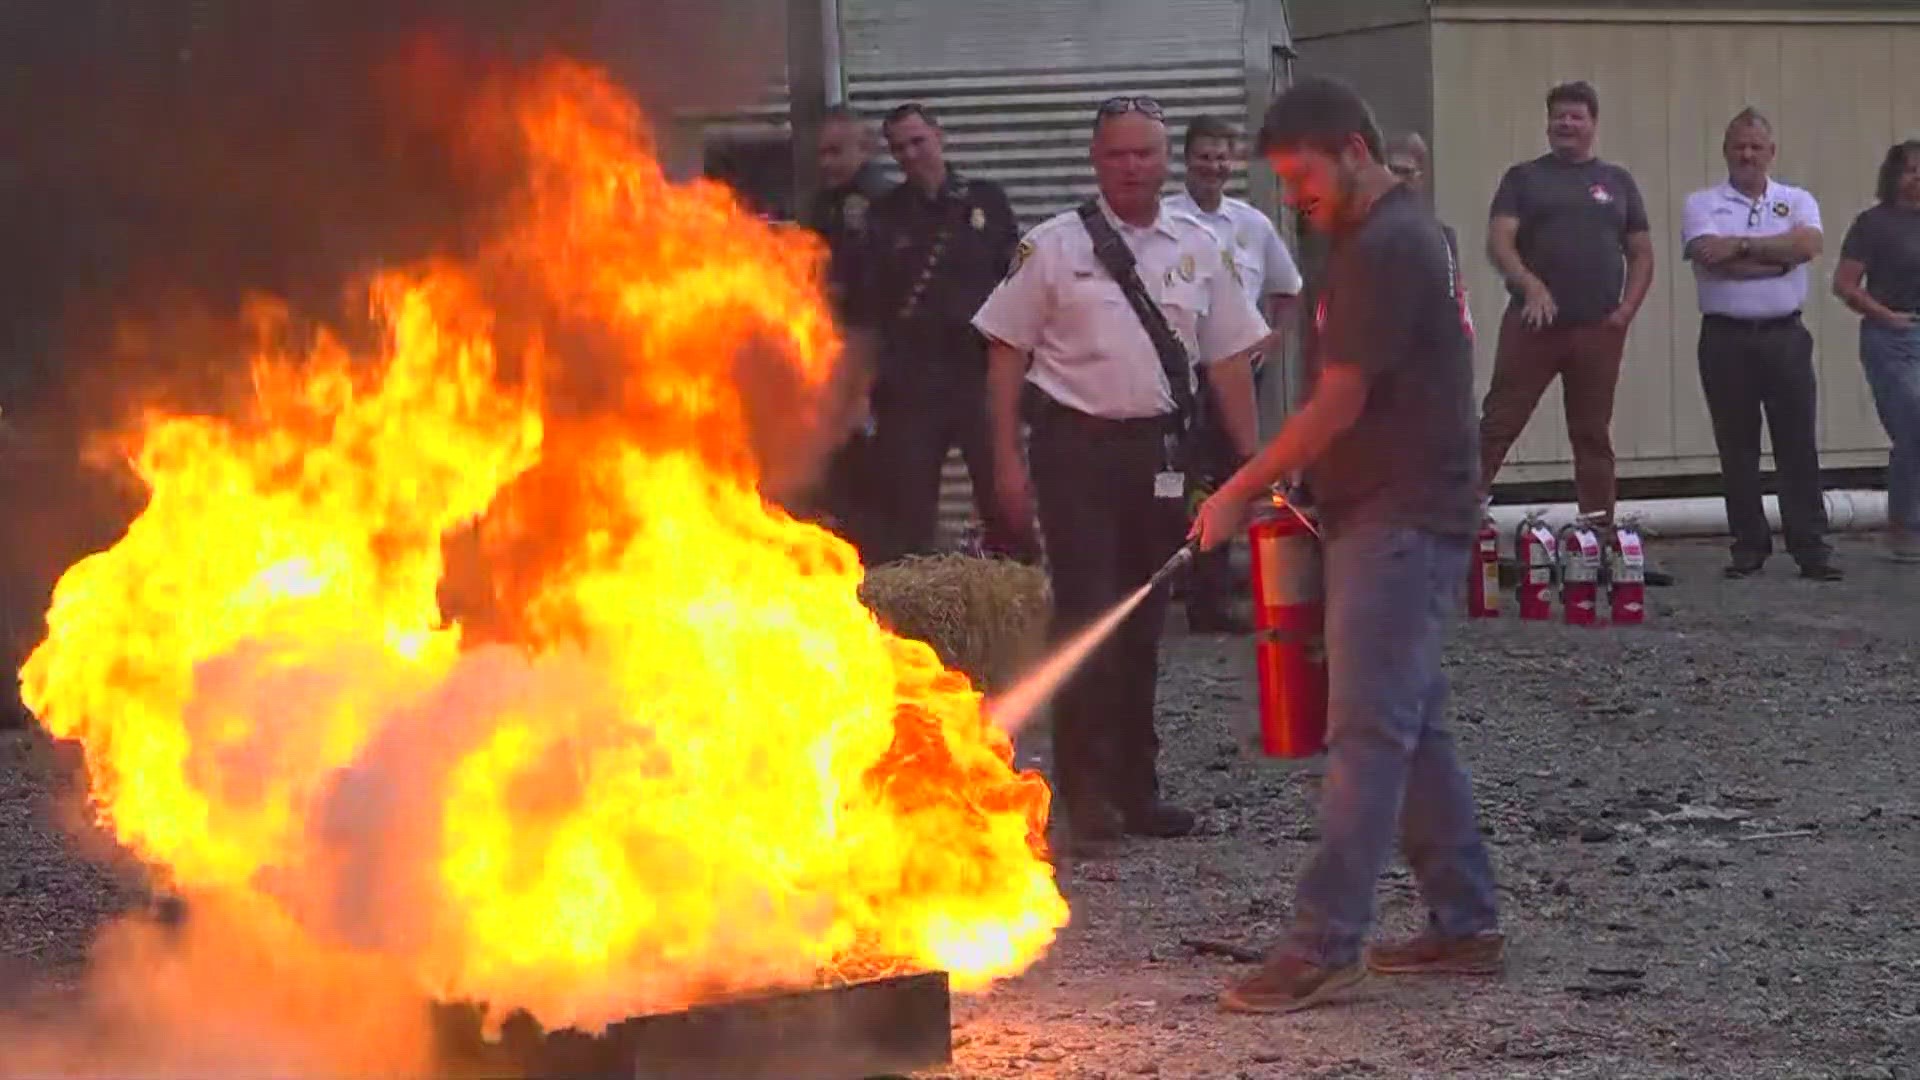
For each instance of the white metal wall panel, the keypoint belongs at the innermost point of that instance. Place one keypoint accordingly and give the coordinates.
(1838, 94)
(905, 36)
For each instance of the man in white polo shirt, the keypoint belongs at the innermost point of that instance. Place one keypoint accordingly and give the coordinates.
(1267, 274)
(1749, 241)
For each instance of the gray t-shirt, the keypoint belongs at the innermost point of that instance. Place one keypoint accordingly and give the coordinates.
(1886, 240)
(1575, 218)
(1392, 304)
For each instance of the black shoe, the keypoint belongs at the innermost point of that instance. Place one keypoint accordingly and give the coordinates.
(1821, 571)
(1161, 821)
(1216, 621)
(1659, 579)
(1744, 566)
(1095, 824)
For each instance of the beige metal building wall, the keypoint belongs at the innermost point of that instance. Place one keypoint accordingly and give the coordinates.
(1840, 87)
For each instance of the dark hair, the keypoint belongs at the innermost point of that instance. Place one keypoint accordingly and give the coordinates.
(1887, 189)
(1319, 114)
(1206, 126)
(901, 112)
(1578, 92)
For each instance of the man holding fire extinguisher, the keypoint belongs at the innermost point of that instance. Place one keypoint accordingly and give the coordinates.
(1387, 444)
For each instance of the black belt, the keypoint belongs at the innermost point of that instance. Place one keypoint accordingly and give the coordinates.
(1734, 322)
(1047, 410)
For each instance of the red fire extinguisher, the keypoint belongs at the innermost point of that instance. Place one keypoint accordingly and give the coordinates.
(1626, 574)
(1580, 573)
(1483, 582)
(1538, 556)
(1290, 636)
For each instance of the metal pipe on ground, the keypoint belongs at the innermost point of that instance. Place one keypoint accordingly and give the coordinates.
(1847, 511)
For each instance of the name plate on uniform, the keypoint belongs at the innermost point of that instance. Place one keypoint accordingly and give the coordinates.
(1169, 485)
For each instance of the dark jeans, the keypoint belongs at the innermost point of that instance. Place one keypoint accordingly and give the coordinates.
(1750, 369)
(1105, 536)
(1587, 361)
(1392, 769)
(924, 406)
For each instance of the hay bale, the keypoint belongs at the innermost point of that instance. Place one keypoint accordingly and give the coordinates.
(985, 617)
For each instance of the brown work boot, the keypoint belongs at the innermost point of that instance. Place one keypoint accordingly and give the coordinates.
(1428, 953)
(1287, 984)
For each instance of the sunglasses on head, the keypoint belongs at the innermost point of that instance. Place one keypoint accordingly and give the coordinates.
(1124, 104)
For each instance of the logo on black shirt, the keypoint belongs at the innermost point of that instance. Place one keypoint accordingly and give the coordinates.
(1600, 194)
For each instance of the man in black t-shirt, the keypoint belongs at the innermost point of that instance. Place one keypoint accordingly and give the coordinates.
(1569, 234)
(1387, 442)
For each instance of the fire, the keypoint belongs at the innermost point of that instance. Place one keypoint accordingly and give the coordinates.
(672, 755)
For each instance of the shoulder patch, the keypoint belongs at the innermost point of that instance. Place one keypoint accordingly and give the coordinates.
(1020, 256)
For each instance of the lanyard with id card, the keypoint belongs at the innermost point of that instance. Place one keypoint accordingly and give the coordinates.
(1169, 482)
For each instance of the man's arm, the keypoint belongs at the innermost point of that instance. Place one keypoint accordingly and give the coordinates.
(1230, 381)
(1006, 229)
(1637, 239)
(1006, 378)
(1339, 396)
(1639, 278)
(1503, 247)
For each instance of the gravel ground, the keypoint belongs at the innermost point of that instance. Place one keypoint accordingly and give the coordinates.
(1627, 778)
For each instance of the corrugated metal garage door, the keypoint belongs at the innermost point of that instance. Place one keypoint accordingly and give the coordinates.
(1029, 130)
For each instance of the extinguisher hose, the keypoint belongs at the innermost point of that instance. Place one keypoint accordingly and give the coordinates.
(1180, 558)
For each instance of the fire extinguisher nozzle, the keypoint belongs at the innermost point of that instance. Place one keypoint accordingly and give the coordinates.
(1180, 558)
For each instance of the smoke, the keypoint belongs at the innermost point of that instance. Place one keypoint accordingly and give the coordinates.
(176, 155)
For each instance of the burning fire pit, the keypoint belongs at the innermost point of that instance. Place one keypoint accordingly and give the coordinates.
(850, 1031)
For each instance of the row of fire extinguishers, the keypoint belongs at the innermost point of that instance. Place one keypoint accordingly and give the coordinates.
(1586, 562)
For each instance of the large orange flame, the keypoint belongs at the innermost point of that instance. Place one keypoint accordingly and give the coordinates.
(686, 760)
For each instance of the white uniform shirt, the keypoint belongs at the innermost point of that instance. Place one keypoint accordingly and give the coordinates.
(1722, 211)
(1262, 260)
(1089, 350)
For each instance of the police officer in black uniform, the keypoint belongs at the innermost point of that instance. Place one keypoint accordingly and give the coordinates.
(936, 247)
(853, 495)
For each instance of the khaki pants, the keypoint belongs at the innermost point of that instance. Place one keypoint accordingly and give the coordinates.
(1587, 360)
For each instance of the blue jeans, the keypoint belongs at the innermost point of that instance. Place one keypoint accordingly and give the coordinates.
(1391, 764)
(1892, 360)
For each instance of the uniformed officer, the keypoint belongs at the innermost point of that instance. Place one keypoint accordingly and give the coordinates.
(852, 494)
(850, 180)
(1749, 241)
(1065, 336)
(1269, 277)
(937, 245)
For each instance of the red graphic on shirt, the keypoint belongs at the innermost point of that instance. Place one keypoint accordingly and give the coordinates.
(1458, 285)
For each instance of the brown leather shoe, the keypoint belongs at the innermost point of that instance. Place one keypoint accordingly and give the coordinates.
(1428, 953)
(1287, 984)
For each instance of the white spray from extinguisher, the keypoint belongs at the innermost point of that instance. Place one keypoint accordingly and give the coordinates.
(1012, 710)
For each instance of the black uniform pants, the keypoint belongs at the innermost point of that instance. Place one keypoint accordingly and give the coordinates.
(928, 401)
(1750, 368)
(1105, 535)
(1210, 584)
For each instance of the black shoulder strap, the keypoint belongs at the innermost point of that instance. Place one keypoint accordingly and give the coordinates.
(1114, 254)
